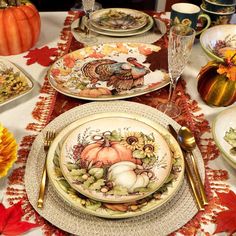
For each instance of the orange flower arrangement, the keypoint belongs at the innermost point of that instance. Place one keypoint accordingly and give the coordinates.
(229, 67)
(8, 151)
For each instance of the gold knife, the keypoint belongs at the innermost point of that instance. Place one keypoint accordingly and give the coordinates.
(189, 175)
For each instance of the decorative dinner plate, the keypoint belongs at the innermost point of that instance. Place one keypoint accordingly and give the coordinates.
(115, 158)
(107, 72)
(64, 209)
(13, 82)
(142, 30)
(118, 19)
(224, 133)
(112, 210)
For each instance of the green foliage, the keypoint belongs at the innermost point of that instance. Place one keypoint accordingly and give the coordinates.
(70, 166)
(97, 185)
(119, 190)
(88, 182)
(138, 154)
(96, 172)
(77, 172)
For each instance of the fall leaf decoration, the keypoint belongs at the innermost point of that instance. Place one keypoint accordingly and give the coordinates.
(229, 67)
(10, 220)
(226, 220)
(44, 56)
(8, 151)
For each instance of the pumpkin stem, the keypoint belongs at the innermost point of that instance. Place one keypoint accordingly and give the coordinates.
(139, 172)
(106, 142)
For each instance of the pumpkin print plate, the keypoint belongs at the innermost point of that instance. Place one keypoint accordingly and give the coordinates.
(13, 82)
(114, 210)
(107, 72)
(115, 158)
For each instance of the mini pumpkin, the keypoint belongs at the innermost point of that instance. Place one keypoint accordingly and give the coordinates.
(123, 174)
(217, 84)
(19, 28)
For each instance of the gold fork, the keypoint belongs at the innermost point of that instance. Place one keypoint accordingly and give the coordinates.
(50, 135)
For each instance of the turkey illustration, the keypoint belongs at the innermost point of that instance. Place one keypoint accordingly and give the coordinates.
(120, 75)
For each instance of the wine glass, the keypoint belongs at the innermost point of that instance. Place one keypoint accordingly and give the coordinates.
(88, 7)
(181, 39)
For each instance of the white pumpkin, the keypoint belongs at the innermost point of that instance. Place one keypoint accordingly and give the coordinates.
(123, 174)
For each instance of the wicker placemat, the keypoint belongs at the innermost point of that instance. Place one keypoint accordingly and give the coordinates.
(161, 221)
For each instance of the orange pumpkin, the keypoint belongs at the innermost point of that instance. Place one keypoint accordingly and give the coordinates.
(214, 88)
(19, 28)
(95, 92)
(106, 153)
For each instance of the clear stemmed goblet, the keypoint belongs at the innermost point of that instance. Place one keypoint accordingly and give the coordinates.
(88, 7)
(181, 39)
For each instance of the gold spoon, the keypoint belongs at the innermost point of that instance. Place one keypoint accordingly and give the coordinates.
(188, 143)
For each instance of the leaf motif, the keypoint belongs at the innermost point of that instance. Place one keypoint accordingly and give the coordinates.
(10, 220)
(42, 56)
(96, 172)
(228, 199)
(97, 185)
(226, 220)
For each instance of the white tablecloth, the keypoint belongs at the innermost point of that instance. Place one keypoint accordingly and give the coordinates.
(16, 115)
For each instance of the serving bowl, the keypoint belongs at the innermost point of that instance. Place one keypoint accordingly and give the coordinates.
(222, 124)
(217, 39)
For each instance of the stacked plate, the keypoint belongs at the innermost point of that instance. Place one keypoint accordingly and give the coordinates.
(120, 22)
(220, 11)
(115, 165)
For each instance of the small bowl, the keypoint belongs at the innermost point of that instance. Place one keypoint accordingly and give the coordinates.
(218, 18)
(222, 2)
(222, 123)
(211, 40)
(217, 8)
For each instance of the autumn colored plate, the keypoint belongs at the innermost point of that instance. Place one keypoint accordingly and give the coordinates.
(118, 19)
(144, 29)
(223, 123)
(13, 82)
(112, 210)
(115, 158)
(107, 72)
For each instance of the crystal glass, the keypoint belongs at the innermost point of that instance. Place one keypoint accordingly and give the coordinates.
(181, 39)
(88, 7)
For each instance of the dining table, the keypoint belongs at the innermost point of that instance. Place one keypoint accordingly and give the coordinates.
(28, 116)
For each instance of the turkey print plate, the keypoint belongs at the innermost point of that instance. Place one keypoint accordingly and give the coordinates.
(107, 72)
(115, 158)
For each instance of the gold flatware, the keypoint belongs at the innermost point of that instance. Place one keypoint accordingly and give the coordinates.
(188, 173)
(188, 143)
(50, 135)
